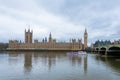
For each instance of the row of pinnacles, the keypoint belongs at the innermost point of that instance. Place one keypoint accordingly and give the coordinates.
(50, 44)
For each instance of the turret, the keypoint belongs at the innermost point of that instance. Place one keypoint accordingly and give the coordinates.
(28, 36)
(50, 37)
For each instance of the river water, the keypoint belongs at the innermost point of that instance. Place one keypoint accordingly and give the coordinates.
(57, 66)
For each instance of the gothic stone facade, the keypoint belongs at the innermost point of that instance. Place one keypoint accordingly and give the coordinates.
(51, 44)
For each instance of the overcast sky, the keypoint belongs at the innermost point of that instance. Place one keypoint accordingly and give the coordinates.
(63, 18)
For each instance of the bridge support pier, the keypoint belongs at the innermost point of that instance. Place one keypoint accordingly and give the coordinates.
(106, 53)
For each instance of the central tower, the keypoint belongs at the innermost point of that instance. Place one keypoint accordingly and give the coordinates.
(28, 36)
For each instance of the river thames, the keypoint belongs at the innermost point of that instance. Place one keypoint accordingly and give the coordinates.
(57, 66)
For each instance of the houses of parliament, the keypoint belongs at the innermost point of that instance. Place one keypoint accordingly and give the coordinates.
(47, 44)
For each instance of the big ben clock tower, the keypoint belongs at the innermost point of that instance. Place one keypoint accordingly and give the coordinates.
(85, 39)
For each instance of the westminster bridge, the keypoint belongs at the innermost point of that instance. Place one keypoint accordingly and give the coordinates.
(113, 49)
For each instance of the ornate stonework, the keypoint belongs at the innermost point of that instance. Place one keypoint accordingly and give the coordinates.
(51, 44)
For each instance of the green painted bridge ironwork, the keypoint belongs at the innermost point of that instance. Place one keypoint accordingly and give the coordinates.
(108, 48)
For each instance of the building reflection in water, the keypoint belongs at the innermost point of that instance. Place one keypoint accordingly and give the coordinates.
(51, 61)
(14, 58)
(76, 60)
(17, 57)
(85, 64)
(27, 61)
(79, 60)
(111, 62)
(48, 59)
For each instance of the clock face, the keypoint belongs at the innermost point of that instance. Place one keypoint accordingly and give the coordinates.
(85, 36)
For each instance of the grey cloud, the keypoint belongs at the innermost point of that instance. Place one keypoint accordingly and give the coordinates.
(100, 17)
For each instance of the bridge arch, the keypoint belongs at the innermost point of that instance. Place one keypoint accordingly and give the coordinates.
(102, 50)
(114, 50)
(97, 49)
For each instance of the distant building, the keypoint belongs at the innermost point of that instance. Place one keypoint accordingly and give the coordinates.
(101, 43)
(3, 46)
(116, 42)
(49, 44)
